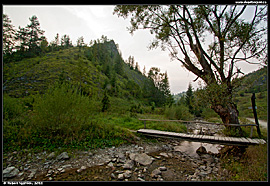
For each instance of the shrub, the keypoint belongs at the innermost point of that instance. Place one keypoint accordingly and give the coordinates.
(12, 107)
(179, 112)
(62, 110)
(208, 113)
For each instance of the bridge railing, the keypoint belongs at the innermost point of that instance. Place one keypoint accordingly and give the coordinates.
(201, 122)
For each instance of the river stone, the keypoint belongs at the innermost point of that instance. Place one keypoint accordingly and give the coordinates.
(81, 169)
(201, 150)
(32, 174)
(63, 156)
(127, 174)
(10, 172)
(143, 159)
(155, 173)
(162, 168)
(128, 165)
(121, 177)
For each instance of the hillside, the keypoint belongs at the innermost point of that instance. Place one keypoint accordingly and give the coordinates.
(254, 82)
(90, 68)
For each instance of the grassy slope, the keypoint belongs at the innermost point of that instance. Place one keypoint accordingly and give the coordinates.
(255, 82)
(34, 75)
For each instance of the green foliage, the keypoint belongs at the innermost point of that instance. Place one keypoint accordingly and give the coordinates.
(105, 102)
(62, 110)
(178, 112)
(62, 117)
(251, 166)
(12, 108)
(208, 113)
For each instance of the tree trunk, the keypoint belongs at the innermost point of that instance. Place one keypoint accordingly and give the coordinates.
(229, 115)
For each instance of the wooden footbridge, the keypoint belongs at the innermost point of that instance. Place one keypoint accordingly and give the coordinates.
(201, 138)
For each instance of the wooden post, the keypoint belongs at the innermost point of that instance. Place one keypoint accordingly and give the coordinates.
(251, 131)
(144, 122)
(253, 97)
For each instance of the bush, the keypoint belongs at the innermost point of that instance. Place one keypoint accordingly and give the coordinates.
(179, 112)
(62, 110)
(208, 113)
(12, 107)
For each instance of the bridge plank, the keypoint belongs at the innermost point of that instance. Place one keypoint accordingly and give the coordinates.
(223, 139)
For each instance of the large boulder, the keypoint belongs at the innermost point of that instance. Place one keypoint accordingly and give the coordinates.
(142, 158)
(201, 150)
(10, 172)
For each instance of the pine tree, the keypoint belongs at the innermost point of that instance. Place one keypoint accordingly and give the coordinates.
(137, 67)
(189, 98)
(23, 39)
(55, 43)
(35, 34)
(65, 41)
(80, 42)
(8, 35)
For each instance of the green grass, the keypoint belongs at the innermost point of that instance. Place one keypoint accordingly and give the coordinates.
(59, 118)
(62, 117)
(251, 166)
(244, 102)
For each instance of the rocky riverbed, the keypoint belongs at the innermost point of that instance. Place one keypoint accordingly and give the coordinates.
(163, 160)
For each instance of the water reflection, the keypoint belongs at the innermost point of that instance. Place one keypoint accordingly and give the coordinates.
(189, 148)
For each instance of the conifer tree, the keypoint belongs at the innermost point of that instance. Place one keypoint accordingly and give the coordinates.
(8, 35)
(189, 98)
(34, 33)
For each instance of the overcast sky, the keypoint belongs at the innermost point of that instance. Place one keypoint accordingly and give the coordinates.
(93, 21)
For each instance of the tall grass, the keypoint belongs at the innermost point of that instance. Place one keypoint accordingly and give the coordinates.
(60, 118)
(62, 110)
(251, 166)
(179, 112)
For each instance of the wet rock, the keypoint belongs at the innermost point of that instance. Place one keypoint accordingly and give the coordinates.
(62, 156)
(10, 172)
(201, 150)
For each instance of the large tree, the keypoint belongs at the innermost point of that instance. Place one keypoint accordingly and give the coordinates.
(208, 40)
(8, 35)
(35, 34)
